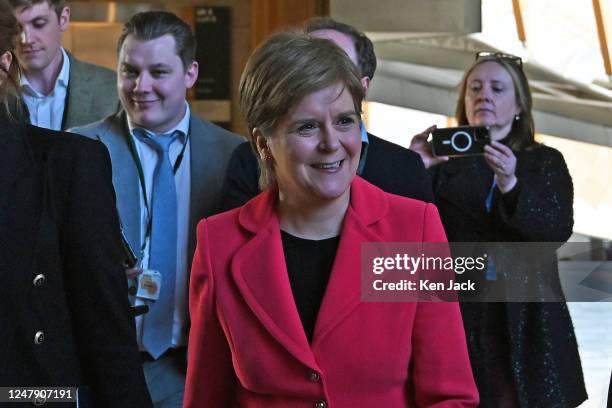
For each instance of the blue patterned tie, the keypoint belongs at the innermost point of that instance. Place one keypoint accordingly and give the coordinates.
(157, 324)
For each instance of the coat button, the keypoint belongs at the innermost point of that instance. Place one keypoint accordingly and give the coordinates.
(314, 376)
(320, 404)
(39, 337)
(39, 280)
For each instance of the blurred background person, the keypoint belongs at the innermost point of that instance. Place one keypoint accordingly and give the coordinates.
(59, 90)
(390, 167)
(275, 290)
(63, 298)
(522, 354)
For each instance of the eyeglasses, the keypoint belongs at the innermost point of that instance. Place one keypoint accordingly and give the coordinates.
(500, 55)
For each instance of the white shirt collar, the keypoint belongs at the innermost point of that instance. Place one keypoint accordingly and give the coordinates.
(61, 81)
(182, 126)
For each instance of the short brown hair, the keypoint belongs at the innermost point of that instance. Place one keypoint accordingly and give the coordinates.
(150, 25)
(9, 31)
(57, 5)
(522, 133)
(283, 70)
(363, 45)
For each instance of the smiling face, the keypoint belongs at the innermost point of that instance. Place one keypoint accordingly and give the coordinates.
(41, 38)
(152, 82)
(490, 98)
(315, 147)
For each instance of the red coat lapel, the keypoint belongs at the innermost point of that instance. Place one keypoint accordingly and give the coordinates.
(260, 273)
(343, 293)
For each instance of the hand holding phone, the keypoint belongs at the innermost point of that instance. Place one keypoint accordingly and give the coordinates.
(460, 141)
(421, 145)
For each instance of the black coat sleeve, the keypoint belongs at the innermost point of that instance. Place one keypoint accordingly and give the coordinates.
(241, 179)
(96, 286)
(542, 209)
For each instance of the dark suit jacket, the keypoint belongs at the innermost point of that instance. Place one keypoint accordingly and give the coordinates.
(388, 166)
(63, 297)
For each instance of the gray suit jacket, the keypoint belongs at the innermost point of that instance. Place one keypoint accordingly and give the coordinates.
(92, 93)
(211, 147)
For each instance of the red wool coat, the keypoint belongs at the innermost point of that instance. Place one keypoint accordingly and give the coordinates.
(247, 346)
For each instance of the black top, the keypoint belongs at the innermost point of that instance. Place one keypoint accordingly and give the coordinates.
(309, 264)
(390, 167)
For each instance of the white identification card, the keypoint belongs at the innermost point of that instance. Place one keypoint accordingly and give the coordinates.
(149, 284)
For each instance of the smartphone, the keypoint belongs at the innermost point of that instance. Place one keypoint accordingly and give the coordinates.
(460, 141)
(129, 258)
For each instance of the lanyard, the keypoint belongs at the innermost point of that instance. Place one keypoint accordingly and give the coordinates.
(136, 158)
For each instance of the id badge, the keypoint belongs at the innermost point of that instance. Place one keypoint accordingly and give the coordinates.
(149, 284)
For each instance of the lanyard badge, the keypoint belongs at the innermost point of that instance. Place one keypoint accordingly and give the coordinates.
(149, 284)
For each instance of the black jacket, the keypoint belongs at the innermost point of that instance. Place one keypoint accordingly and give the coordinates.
(536, 340)
(63, 298)
(388, 166)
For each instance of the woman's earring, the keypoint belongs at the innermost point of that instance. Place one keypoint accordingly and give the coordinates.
(517, 117)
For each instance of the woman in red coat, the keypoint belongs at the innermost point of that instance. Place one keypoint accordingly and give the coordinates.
(275, 305)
